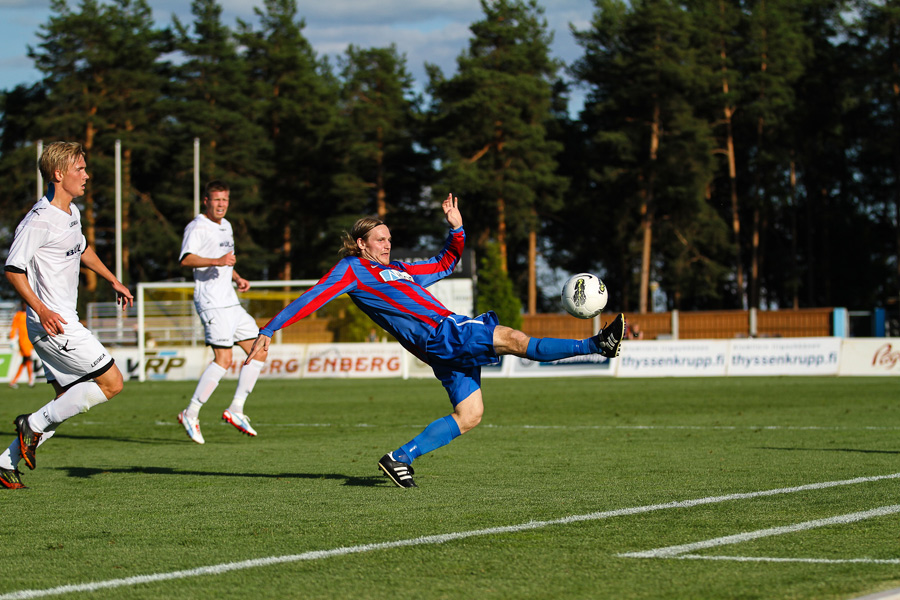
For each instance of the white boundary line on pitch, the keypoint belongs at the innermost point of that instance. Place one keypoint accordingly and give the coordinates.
(424, 540)
(684, 550)
(562, 427)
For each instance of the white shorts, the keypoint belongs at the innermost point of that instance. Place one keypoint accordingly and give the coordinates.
(226, 326)
(72, 356)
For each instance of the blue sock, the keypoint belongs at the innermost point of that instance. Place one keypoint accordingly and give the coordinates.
(546, 349)
(438, 433)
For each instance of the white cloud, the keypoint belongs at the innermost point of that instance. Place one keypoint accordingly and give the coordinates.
(434, 31)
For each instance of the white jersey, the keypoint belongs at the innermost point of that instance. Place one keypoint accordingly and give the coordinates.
(48, 245)
(212, 285)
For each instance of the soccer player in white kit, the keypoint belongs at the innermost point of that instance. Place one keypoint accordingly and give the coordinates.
(43, 266)
(208, 248)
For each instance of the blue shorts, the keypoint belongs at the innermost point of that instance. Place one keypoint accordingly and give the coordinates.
(458, 349)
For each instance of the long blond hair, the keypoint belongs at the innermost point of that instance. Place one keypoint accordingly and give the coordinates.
(360, 229)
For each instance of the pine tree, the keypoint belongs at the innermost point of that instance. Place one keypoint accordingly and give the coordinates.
(102, 78)
(653, 152)
(209, 100)
(294, 103)
(381, 127)
(490, 133)
(774, 52)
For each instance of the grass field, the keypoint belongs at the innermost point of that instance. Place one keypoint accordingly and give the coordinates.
(571, 488)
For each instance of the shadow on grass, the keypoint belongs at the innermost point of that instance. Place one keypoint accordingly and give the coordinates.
(112, 438)
(88, 472)
(830, 450)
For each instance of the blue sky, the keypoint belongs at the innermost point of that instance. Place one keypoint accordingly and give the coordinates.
(433, 31)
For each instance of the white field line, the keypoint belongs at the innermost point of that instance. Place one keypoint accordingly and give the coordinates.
(676, 551)
(425, 540)
(774, 559)
(560, 427)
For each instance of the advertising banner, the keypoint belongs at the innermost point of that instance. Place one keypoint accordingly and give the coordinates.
(590, 365)
(164, 364)
(677, 358)
(663, 358)
(186, 363)
(870, 356)
(416, 368)
(353, 360)
(6, 364)
(785, 356)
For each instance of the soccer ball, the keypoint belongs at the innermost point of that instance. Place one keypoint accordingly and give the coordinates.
(584, 295)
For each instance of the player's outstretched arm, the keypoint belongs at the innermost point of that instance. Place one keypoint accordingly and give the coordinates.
(90, 259)
(451, 211)
(261, 344)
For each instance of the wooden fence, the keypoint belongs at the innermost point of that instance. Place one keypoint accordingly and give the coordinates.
(811, 322)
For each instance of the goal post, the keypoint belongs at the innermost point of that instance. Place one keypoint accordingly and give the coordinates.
(166, 313)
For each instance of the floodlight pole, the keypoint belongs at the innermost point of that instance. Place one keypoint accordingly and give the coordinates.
(196, 176)
(119, 210)
(40, 179)
(141, 332)
(119, 313)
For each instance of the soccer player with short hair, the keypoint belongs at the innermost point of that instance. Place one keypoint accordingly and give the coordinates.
(43, 266)
(393, 295)
(208, 249)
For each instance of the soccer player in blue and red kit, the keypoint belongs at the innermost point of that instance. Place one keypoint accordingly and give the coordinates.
(393, 295)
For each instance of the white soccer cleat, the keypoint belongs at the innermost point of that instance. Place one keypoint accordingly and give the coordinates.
(240, 421)
(191, 426)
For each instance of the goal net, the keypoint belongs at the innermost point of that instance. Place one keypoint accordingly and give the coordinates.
(166, 316)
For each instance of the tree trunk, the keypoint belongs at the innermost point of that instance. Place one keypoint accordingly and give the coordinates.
(501, 233)
(532, 272)
(380, 193)
(286, 244)
(647, 214)
(795, 279)
(732, 175)
(760, 192)
(126, 189)
(90, 219)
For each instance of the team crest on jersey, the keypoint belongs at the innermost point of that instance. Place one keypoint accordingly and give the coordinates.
(395, 275)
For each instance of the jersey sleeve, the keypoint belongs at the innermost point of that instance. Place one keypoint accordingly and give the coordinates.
(339, 280)
(29, 237)
(191, 242)
(428, 272)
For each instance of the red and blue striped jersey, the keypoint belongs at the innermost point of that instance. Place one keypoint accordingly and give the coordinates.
(394, 295)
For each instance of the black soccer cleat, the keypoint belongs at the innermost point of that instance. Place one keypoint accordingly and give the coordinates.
(399, 472)
(28, 440)
(11, 479)
(609, 339)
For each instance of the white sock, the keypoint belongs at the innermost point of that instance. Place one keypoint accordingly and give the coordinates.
(6, 459)
(208, 383)
(246, 381)
(10, 457)
(77, 399)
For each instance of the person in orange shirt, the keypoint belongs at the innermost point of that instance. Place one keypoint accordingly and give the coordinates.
(25, 347)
